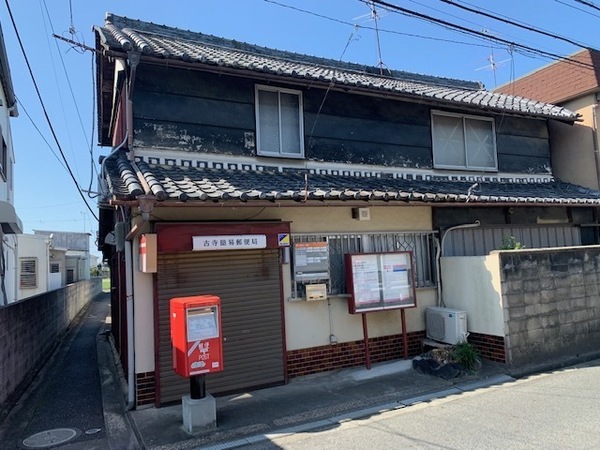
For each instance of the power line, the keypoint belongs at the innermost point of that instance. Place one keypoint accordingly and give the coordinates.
(578, 9)
(354, 25)
(40, 132)
(522, 25)
(37, 90)
(452, 26)
(590, 4)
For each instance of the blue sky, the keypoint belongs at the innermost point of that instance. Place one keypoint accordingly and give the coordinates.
(45, 195)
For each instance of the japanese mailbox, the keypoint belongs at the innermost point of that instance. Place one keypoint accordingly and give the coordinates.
(196, 335)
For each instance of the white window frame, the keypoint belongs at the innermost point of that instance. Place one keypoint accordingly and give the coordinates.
(279, 90)
(26, 276)
(493, 168)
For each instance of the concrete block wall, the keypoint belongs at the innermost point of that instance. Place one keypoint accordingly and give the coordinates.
(30, 330)
(551, 304)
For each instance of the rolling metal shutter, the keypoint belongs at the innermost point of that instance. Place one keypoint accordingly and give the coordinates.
(248, 283)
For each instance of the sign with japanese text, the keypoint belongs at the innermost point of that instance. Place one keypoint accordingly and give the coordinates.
(379, 281)
(229, 242)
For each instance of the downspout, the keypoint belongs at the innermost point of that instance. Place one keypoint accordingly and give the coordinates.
(595, 138)
(130, 330)
(439, 254)
(133, 60)
(595, 144)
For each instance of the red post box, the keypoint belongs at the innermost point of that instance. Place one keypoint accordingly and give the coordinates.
(196, 335)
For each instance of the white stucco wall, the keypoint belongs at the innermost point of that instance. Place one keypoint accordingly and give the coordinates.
(33, 246)
(472, 284)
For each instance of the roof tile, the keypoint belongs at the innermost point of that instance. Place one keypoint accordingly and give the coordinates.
(122, 34)
(176, 183)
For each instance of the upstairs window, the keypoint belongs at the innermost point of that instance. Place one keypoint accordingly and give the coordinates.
(463, 142)
(279, 123)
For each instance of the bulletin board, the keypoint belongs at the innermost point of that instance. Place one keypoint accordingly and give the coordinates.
(380, 281)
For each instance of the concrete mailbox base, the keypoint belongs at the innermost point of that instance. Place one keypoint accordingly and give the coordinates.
(199, 414)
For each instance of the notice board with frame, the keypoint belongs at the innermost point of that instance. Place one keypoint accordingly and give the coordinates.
(380, 281)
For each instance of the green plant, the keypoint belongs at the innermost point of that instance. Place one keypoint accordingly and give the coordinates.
(510, 243)
(466, 355)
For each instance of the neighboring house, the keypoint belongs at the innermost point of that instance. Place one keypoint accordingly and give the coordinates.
(249, 173)
(9, 221)
(49, 260)
(573, 82)
(34, 273)
(71, 254)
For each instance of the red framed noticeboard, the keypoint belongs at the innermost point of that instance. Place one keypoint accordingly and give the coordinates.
(380, 281)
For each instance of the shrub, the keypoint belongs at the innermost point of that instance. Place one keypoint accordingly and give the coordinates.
(466, 355)
(510, 243)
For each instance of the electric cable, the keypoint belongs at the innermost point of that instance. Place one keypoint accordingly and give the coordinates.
(585, 11)
(589, 4)
(41, 100)
(524, 26)
(468, 31)
(354, 25)
(40, 132)
(61, 99)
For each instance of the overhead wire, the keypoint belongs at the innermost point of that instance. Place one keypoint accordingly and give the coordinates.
(22, 106)
(58, 86)
(382, 30)
(500, 18)
(585, 11)
(589, 4)
(45, 111)
(479, 34)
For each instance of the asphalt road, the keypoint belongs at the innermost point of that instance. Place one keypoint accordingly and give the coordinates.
(555, 410)
(66, 395)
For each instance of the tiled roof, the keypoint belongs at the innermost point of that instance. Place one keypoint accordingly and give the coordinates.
(561, 80)
(212, 184)
(120, 34)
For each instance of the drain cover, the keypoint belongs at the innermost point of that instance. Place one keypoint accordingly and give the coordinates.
(50, 438)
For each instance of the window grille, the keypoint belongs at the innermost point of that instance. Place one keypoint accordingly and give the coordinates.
(54, 267)
(420, 243)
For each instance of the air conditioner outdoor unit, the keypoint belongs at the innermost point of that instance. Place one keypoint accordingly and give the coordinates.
(446, 325)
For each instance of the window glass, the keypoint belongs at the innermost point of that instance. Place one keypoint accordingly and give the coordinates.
(480, 143)
(448, 141)
(290, 124)
(269, 121)
(463, 142)
(279, 122)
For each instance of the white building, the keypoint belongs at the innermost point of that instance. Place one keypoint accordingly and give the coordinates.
(10, 224)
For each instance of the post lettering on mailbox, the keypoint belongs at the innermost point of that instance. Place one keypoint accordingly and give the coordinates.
(196, 335)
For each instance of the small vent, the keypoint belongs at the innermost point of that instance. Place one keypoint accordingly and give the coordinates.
(28, 276)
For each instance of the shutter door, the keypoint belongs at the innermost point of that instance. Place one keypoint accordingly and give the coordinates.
(248, 283)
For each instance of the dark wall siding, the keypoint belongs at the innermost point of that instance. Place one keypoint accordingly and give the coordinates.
(523, 145)
(191, 137)
(523, 164)
(204, 112)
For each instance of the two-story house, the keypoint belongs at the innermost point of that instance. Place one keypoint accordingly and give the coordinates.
(9, 221)
(250, 173)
